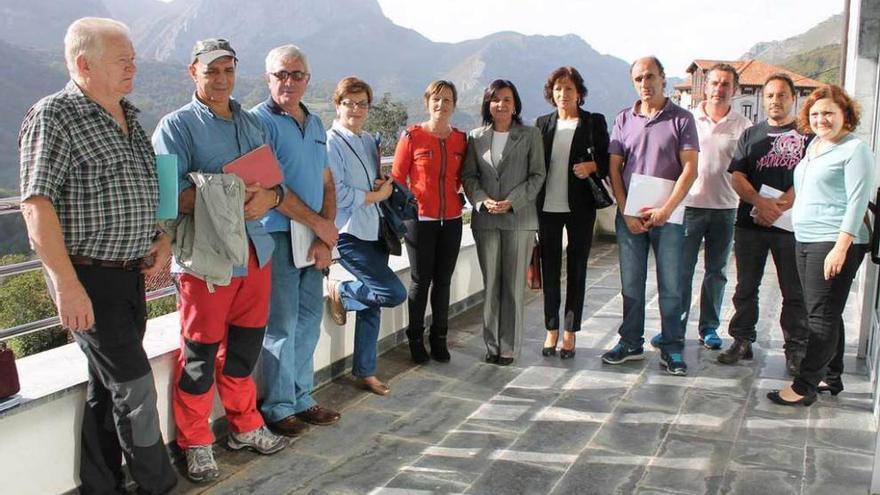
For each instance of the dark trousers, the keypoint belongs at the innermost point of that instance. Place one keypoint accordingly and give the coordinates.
(120, 418)
(580, 238)
(750, 246)
(825, 301)
(432, 247)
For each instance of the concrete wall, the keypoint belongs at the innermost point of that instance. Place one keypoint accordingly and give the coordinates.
(39, 440)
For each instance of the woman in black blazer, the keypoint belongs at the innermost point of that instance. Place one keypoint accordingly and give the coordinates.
(575, 149)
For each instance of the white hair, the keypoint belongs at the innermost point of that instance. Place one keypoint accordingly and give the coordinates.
(291, 52)
(86, 37)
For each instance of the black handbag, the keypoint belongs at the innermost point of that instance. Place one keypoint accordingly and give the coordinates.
(601, 198)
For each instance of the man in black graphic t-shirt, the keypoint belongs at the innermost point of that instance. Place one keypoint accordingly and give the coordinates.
(766, 156)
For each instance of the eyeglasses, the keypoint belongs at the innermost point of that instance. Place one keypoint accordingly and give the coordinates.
(351, 105)
(296, 75)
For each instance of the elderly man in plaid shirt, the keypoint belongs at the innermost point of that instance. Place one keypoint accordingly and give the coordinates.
(89, 195)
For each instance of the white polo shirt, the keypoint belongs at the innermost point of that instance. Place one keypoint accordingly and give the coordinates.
(718, 140)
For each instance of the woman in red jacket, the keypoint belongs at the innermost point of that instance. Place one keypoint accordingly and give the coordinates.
(428, 158)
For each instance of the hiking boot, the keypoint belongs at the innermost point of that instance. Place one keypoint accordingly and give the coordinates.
(739, 349)
(620, 353)
(674, 363)
(711, 340)
(200, 464)
(260, 440)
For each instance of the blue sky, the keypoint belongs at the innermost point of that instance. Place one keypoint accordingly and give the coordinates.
(677, 31)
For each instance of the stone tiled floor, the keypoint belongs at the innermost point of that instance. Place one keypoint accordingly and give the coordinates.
(577, 427)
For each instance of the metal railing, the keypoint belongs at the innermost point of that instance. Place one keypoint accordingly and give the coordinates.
(11, 206)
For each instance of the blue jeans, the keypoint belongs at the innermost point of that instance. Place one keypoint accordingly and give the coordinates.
(666, 241)
(716, 226)
(376, 287)
(295, 310)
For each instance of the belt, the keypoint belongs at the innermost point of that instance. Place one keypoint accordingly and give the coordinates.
(132, 265)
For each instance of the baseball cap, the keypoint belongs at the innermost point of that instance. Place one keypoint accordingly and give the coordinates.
(209, 50)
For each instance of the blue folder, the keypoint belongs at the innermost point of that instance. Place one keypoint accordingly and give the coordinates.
(166, 170)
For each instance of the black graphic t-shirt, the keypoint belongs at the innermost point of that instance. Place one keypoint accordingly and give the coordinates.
(767, 155)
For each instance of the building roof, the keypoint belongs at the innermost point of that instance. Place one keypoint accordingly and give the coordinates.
(754, 72)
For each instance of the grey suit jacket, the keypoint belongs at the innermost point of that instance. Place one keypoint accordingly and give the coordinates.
(517, 178)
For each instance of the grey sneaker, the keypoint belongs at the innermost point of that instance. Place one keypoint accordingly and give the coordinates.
(260, 440)
(200, 464)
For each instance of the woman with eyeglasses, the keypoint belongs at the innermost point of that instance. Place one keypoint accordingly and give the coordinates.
(428, 158)
(360, 187)
(502, 174)
(575, 147)
(833, 184)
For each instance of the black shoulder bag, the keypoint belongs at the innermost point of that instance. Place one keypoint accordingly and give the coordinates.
(601, 198)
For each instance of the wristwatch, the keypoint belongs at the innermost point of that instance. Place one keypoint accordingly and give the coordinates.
(279, 195)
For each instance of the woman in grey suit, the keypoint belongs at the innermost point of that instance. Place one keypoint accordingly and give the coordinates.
(503, 172)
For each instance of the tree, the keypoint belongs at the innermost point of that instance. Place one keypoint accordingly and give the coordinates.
(388, 118)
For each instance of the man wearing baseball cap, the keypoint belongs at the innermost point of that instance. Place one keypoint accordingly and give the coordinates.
(222, 326)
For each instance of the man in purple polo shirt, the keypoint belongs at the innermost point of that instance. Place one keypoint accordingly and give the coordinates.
(659, 139)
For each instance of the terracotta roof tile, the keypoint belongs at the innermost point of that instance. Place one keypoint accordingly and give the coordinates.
(755, 72)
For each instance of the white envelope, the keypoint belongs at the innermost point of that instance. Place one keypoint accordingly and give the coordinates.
(784, 221)
(651, 192)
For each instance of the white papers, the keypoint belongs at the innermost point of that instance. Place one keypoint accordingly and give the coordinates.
(301, 239)
(784, 221)
(650, 192)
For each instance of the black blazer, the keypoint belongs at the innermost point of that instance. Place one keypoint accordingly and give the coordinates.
(580, 196)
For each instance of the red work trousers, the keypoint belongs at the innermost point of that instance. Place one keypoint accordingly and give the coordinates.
(221, 336)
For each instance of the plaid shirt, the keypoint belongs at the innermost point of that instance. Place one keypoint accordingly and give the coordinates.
(101, 182)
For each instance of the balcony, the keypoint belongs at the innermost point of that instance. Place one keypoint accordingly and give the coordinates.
(540, 426)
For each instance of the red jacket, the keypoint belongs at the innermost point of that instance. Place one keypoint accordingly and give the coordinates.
(432, 168)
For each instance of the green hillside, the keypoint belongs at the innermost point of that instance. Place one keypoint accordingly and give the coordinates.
(821, 64)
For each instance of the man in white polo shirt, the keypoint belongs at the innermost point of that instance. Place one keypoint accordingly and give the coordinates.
(711, 203)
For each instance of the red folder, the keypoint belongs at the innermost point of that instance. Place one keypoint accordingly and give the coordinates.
(258, 165)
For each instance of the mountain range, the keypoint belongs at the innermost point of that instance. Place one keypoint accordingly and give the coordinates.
(340, 37)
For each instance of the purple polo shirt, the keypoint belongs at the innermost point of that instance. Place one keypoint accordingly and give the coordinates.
(651, 146)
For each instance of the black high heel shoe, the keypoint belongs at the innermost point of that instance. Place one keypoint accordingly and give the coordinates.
(550, 351)
(567, 353)
(806, 400)
(834, 386)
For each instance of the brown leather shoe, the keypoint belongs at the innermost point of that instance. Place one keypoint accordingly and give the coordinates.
(337, 310)
(290, 426)
(377, 387)
(318, 415)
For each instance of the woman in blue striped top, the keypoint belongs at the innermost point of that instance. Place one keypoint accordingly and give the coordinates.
(833, 184)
